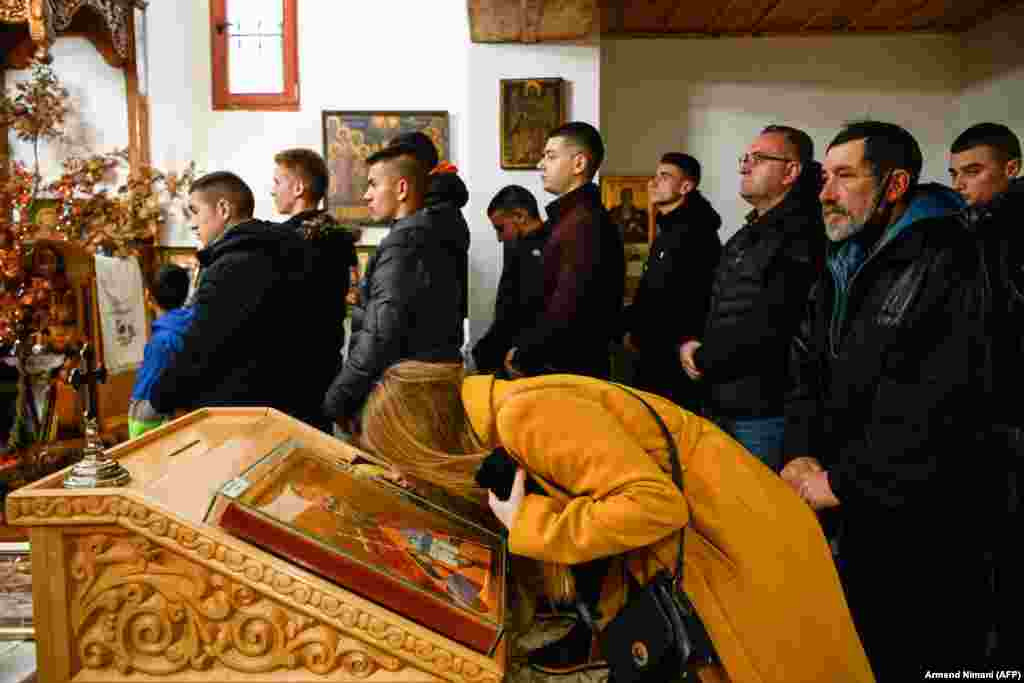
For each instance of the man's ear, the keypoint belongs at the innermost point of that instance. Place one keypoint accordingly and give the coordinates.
(402, 189)
(1013, 167)
(898, 184)
(580, 160)
(300, 188)
(225, 209)
(687, 187)
(793, 173)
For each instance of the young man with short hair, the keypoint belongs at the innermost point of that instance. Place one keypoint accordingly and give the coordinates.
(671, 302)
(983, 161)
(243, 348)
(584, 265)
(984, 164)
(410, 297)
(520, 299)
(300, 184)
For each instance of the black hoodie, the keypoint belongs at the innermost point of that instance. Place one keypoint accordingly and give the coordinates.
(242, 348)
(410, 305)
(448, 194)
(671, 302)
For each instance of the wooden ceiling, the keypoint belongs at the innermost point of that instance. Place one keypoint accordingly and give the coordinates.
(531, 21)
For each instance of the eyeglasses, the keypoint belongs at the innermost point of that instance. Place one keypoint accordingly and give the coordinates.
(757, 157)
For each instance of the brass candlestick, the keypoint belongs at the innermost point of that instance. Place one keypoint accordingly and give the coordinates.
(95, 469)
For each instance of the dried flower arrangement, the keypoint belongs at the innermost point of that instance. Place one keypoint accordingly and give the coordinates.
(84, 206)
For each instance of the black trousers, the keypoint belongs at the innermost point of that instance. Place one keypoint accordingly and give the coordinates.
(918, 592)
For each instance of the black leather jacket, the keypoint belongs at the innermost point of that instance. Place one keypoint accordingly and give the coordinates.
(884, 394)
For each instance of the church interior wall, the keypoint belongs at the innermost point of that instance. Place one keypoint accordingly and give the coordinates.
(708, 97)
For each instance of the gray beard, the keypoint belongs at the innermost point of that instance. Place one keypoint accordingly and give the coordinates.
(843, 232)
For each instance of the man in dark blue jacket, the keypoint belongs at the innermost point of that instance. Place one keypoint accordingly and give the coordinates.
(520, 298)
(411, 296)
(671, 303)
(242, 349)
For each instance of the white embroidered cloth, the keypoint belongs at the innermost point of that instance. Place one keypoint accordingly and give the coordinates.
(122, 312)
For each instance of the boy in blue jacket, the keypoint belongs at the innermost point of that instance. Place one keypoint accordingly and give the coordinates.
(166, 297)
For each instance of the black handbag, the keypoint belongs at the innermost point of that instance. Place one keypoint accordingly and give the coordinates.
(658, 635)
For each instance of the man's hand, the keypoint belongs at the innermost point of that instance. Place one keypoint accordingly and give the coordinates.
(511, 369)
(797, 468)
(627, 343)
(506, 510)
(815, 489)
(686, 352)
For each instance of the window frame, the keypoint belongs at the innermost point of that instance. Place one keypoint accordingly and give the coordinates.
(223, 100)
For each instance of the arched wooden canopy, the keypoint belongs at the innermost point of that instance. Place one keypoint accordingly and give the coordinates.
(28, 29)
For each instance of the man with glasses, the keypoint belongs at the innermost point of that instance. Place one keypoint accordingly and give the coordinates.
(758, 292)
(513, 213)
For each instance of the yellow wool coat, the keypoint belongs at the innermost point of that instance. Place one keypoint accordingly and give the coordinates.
(756, 564)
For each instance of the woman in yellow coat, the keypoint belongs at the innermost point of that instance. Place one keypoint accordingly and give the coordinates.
(756, 564)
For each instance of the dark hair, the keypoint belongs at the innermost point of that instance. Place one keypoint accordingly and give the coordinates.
(513, 197)
(406, 163)
(228, 186)
(170, 287)
(424, 148)
(685, 163)
(309, 166)
(994, 135)
(798, 139)
(887, 147)
(585, 136)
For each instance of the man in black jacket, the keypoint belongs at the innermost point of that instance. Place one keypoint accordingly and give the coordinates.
(300, 183)
(446, 195)
(584, 265)
(886, 423)
(240, 349)
(671, 302)
(758, 292)
(520, 299)
(410, 297)
(984, 162)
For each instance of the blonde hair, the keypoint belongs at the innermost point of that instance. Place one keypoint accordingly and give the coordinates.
(415, 421)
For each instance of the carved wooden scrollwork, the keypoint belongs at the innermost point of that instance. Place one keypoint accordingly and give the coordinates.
(38, 15)
(116, 16)
(166, 546)
(139, 608)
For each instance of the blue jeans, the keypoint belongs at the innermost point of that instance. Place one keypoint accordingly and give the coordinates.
(762, 436)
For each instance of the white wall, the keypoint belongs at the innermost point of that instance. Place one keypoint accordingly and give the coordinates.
(406, 54)
(710, 98)
(994, 74)
(98, 121)
(579, 65)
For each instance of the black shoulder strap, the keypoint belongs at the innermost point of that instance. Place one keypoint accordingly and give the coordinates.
(677, 467)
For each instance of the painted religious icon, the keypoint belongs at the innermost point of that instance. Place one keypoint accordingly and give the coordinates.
(530, 109)
(351, 137)
(375, 539)
(626, 199)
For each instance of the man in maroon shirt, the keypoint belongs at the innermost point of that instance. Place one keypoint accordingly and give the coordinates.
(584, 265)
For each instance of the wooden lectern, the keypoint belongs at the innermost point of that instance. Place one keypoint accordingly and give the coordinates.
(131, 584)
